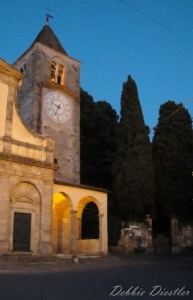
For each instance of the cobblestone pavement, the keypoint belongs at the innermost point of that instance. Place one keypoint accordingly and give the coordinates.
(96, 278)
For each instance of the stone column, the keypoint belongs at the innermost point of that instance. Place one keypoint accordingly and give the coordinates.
(46, 218)
(101, 234)
(73, 233)
(79, 228)
(59, 232)
(7, 139)
(6, 229)
(56, 73)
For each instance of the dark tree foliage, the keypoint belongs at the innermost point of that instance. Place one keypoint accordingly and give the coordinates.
(133, 168)
(172, 154)
(98, 125)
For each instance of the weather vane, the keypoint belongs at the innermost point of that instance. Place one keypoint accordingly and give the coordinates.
(48, 16)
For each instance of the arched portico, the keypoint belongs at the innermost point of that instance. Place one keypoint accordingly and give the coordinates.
(79, 199)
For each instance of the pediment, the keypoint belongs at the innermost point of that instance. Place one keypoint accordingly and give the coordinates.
(7, 69)
(23, 198)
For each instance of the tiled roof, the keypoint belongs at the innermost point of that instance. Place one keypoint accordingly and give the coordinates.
(48, 38)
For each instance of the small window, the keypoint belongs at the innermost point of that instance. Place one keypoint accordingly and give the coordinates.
(23, 70)
(55, 161)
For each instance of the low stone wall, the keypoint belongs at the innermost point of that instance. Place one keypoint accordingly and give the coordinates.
(90, 246)
(182, 238)
(137, 237)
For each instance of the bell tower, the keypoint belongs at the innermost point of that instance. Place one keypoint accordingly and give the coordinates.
(49, 99)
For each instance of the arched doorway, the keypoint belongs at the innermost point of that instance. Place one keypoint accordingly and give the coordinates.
(25, 210)
(61, 223)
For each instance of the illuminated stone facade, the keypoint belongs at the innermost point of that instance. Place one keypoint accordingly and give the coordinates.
(42, 200)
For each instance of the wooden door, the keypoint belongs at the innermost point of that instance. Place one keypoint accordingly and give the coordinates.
(22, 232)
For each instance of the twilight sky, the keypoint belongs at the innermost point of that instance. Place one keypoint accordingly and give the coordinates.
(113, 40)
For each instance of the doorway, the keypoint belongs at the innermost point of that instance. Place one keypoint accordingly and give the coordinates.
(21, 232)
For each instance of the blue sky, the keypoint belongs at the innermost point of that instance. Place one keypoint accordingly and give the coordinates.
(113, 40)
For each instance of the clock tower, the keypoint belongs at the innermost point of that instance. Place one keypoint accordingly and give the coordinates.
(49, 99)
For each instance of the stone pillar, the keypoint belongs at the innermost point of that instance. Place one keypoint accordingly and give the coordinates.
(6, 232)
(79, 228)
(7, 139)
(73, 233)
(59, 232)
(148, 220)
(46, 219)
(101, 251)
(56, 73)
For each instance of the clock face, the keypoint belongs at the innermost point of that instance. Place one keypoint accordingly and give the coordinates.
(57, 107)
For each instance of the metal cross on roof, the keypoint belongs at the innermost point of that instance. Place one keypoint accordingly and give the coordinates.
(47, 18)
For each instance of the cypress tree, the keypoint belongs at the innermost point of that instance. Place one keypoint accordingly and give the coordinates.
(98, 125)
(172, 154)
(133, 167)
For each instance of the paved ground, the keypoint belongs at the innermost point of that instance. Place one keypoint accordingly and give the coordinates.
(95, 279)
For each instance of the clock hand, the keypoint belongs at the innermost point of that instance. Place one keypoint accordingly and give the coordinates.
(58, 107)
(55, 104)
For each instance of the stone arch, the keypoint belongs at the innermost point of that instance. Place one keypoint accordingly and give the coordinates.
(90, 222)
(57, 70)
(61, 222)
(58, 60)
(53, 71)
(92, 205)
(25, 204)
(83, 202)
(25, 188)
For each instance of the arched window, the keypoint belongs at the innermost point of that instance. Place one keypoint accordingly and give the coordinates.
(90, 221)
(60, 78)
(57, 73)
(53, 71)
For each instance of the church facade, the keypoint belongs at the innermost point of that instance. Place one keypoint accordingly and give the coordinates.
(43, 203)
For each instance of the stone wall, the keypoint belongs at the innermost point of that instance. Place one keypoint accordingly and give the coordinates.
(137, 237)
(36, 65)
(26, 171)
(90, 246)
(182, 237)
